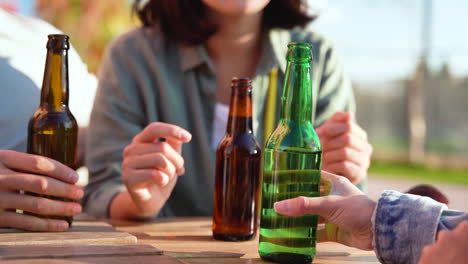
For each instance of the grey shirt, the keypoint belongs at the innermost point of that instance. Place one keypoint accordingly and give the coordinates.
(146, 78)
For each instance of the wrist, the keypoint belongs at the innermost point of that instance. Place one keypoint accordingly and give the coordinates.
(124, 207)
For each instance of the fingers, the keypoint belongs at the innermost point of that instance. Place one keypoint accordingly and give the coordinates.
(38, 205)
(347, 140)
(140, 178)
(153, 161)
(330, 130)
(337, 185)
(37, 164)
(163, 130)
(40, 185)
(350, 170)
(299, 206)
(346, 154)
(31, 223)
(146, 155)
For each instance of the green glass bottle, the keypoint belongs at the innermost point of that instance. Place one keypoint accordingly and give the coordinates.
(292, 161)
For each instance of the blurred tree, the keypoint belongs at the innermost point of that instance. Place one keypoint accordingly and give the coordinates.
(91, 24)
(416, 115)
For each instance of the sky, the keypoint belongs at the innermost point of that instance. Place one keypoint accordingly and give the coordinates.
(380, 40)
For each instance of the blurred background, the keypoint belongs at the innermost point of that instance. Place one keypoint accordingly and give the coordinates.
(408, 61)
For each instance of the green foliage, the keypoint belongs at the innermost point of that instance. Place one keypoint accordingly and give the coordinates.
(419, 172)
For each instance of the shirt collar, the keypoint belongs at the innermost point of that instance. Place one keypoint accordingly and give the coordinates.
(191, 56)
(278, 41)
(274, 53)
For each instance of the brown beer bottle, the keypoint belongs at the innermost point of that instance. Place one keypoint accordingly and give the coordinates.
(52, 130)
(238, 170)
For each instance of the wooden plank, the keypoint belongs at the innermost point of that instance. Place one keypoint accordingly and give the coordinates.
(82, 232)
(100, 260)
(191, 239)
(68, 251)
(352, 260)
(202, 254)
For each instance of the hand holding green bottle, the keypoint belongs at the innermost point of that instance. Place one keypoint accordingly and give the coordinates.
(346, 210)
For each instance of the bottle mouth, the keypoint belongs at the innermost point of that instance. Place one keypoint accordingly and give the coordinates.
(58, 36)
(300, 45)
(58, 42)
(299, 52)
(241, 82)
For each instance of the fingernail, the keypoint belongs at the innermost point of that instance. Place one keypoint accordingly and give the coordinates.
(185, 135)
(74, 177)
(62, 225)
(79, 194)
(180, 171)
(281, 207)
(76, 209)
(164, 180)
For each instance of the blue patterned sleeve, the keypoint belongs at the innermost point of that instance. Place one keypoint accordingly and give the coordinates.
(404, 224)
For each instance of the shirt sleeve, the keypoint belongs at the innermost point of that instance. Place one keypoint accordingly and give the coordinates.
(404, 224)
(82, 88)
(335, 91)
(117, 116)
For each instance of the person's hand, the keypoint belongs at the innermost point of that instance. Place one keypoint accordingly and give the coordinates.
(450, 247)
(347, 212)
(151, 164)
(346, 150)
(41, 175)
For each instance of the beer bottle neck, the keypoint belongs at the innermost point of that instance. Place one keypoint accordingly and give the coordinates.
(297, 93)
(240, 108)
(54, 92)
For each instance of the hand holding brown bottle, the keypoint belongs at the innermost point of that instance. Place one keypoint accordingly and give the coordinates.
(41, 175)
(149, 170)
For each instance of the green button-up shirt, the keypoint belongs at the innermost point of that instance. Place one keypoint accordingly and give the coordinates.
(145, 78)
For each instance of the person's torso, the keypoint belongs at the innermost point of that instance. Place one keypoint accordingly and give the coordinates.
(177, 84)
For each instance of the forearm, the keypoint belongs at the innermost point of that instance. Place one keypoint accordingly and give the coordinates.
(123, 207)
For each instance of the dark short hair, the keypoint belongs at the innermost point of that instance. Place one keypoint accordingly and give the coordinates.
(186, 21)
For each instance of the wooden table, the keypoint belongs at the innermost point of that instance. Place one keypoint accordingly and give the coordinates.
(189, 241)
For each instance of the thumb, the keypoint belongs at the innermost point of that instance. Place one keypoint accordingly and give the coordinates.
(321, 131)
(299, 206)
(340, 117)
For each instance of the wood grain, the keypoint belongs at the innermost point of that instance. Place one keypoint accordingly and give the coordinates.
(100, 260)
(68, 251)
(87, 232)
(190, 239)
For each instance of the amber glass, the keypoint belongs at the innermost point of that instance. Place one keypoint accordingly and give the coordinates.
(238, 170)
(52, 130)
